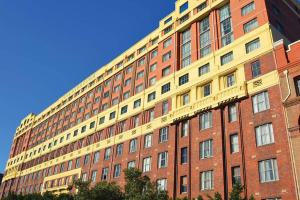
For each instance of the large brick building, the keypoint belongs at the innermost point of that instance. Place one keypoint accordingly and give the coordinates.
(195, 105)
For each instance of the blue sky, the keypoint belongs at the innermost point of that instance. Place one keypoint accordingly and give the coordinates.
(47, 47)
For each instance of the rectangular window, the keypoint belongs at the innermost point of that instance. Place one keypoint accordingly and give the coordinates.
(140, 75)
(255, 69)
(77, 163)
(203, 69)
(137, 103)
(152, 81)
(207, 180)
(83, 129)
(153, 67)
(141, 62)
(232, 117)
(117, 170)
(151, 96)
(184, 155)
(163, 134)
(226, 25)
(151, 115)
(154, 53)
(166, 56)
(166, 71)
(186, 48)
(131, 164)
(86, 159)
(163, 159)
(251, 46)
(297, 85)
(70, 163)
(147, 164)
(236, 175)
(112, 115)
(227, 58)
(167, 42)
(162, 184)
(185, 98)
(251, 25)
(234, 143)
(184, 7)
(107, 154)
(206, 149)
(260, 102)
(101, 120)
(127, 81)
(205, 120)
(165, 107)
(268, 170)
(133, 145)
(165, 88)
(126, 95)
(96, 157)
(148, 141)
(205, 44)
(84, 177)
(136, 121)
(124, 109)
(264, 134)
(104, 175)
(183, 79)
(139, 88)
(247, 8)
(230, 80)
(119, 149)
(185, 129)
(183, 184)
(206, 90)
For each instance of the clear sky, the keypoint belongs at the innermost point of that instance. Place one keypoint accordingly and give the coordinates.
(47, 47)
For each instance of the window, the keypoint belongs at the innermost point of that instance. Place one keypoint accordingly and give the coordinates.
(251, 25)
(77, 163)
(186, 48)
(141, 62)
(255, 68)
(112, 115)
(163, 134)
(136, 121)
(107, 153)
(117, 88)
(94, 176)
(101, 120)
(84, 177)
(115, 101)
(163, 159)
(162, 184)
(154, 53)
(119, 149)
(151, 115)
(133, 145)
(152, 81)
(140, 75)
(184, 155)
(206, 149)
(166, 56)
(126, 95)
(167, 42)
(207, 180)
(201, 6)
(167, 30)
(205, 45)
(70, 163)
(264, 134)
(205, 120)
(183, 79)
(148, 141)
(165, 88)
(118, 76)
(153, 67)
(226, 25)
(104, 174)
(183, 184)
(86, 159)
(139, 88)
(127, 81)
(147, 164)
(206, 90)
(234, 143)
(124, 109)
(260, 102)
(92, 125)
(297, 85)
(137, 103)
(151, 96)
(165, 107)
(96, 157)
(236, 175)
(106, 94)
(185, 129)
(131, 164)
(184, 7)
(168, 20)
(203, 69)
(226, 58)
(230, 80)
(83, 129)
(232, 113)
(248, 8)
(251, 46)
(117, 170)
(166, 71)
(268, 170)
(185, 99)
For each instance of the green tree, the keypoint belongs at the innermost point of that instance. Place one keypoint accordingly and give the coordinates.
(107, 191)
(217, 196)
